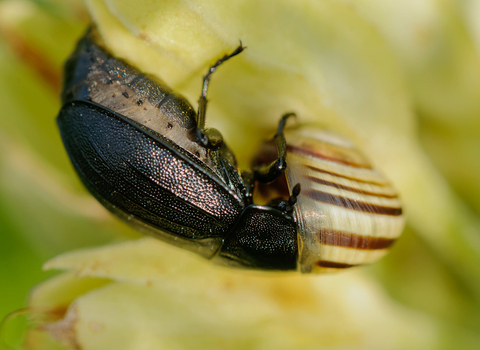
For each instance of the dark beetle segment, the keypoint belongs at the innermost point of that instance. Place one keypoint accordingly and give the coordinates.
(139, 173)
(263, 238)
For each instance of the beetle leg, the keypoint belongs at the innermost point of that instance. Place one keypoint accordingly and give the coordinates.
(249, 182)
(210, 138)
(286, 205)
(203, 136)
(270, 172)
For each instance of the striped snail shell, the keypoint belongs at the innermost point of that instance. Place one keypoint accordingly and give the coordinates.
(347, 213)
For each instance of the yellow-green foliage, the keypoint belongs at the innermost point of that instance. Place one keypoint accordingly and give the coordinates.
(401, 78)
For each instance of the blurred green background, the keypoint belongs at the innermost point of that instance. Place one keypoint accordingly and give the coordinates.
(43, 206)
(45, 211)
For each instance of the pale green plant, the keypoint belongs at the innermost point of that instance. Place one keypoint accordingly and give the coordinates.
(402, 79)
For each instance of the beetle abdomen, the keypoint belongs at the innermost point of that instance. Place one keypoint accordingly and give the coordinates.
(142, 177)
(347, 212)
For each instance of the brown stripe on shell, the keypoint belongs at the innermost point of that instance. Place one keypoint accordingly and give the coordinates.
(351, 189)
(323, 171)
(311, 153)
(351, 204)
(352, 240)
(333, 264)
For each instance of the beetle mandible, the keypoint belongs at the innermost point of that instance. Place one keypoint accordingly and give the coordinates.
(145, 154)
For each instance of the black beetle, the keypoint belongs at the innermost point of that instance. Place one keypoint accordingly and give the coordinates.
(144, 153)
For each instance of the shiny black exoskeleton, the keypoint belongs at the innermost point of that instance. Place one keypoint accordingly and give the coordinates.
(144, 153)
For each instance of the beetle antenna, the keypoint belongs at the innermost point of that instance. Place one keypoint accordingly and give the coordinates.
(283, 121)
(202, 102)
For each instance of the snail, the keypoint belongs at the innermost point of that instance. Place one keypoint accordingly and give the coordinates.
(347, 213)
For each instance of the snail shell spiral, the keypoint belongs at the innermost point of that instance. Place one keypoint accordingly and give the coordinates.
(347, 213)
